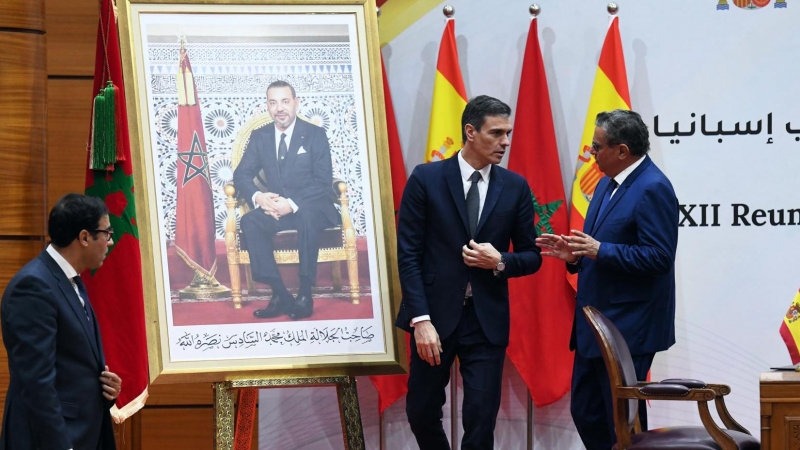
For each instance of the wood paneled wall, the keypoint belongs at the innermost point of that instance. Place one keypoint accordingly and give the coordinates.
(46, 72)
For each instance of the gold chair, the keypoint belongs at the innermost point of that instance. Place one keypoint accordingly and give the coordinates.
(626, 391)
(337, 243)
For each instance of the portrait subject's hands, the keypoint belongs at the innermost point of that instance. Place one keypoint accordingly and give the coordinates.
(556, 246)
(266, 201)
(429, 347)
(112, 384)
(283, 207)
(484, 256)
(582, 244)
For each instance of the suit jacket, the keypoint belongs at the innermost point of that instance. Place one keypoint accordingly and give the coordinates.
(307, 177)
(55, 357)
(431, 231)
(632, 281)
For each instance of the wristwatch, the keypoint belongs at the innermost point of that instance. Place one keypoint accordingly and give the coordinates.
(501, 266)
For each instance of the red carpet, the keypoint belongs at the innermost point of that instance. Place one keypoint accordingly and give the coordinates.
(328, 305)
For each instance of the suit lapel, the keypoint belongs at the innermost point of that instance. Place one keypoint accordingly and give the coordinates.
(492, 195)
(453, 176)
(621, 190)
(71, 297)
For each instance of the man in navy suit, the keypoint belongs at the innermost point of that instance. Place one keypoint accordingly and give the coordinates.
(296, 193)
(61, 391)
(625, 260)
(456, 221)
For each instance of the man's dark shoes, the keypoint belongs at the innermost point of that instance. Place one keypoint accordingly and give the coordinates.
(303, 307)
(280, 303)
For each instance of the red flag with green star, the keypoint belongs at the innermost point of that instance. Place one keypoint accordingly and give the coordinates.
(542, 305)
(115, 289)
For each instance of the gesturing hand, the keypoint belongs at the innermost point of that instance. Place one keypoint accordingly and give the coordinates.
(429, 347)
(556, 246)
(583, 245)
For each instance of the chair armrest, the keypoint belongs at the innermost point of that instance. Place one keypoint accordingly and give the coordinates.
(659, 391)
(668, 391)
(689, 383)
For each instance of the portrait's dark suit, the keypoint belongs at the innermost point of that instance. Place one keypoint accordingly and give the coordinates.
(432, 228)
(55, 358)
(305, 177)
(632, 282)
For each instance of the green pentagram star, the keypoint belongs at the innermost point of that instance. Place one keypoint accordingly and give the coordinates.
(544, 213)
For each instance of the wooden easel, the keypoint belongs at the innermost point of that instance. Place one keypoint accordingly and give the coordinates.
(349, 410)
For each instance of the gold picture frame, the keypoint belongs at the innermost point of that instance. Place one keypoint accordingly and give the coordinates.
(329, 50)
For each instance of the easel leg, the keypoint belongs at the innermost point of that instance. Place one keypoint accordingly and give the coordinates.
(223, 414)
(350, 414)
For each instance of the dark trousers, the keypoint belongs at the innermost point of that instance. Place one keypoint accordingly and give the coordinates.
(259, 229)
(591, 406)
(482, 372)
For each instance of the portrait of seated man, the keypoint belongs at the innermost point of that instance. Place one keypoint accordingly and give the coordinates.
(295, 158)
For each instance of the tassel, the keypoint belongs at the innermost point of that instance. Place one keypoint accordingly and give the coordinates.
(104, 145)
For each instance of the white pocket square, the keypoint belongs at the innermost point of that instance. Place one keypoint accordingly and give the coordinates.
(301, 151)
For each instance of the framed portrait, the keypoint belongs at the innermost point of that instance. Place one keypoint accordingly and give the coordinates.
(263, 188)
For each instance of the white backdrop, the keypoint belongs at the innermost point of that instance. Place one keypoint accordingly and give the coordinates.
(683, 57)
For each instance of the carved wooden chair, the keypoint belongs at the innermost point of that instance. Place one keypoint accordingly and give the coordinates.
(626, 391)
(336, 244)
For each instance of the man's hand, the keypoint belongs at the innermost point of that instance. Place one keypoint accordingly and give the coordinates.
(112, 384)
(283, 207)
(266, 201)
(582, 244)
(483, 256)
(428, 345)
(556, 246)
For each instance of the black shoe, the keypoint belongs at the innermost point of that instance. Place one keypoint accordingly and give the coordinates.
(303, 307)
(279, 304)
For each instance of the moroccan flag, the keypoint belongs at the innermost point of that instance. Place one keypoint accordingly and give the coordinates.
(542, 305)
(115, 289)
(194, 215)
(610, 92)
(449, 100)
(790, 329)
(392, 387)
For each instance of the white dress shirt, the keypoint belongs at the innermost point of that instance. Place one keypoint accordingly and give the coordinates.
(620, 178)
(483, 187)
(289, 131)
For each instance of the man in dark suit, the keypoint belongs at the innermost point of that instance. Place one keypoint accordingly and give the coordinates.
(297, 194)
(60, 391)
(625, 260)
(456, 221)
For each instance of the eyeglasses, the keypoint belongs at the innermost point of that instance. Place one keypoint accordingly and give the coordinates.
(597, 147)
(109, 233)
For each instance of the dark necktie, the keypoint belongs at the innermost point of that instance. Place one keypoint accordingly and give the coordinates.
(84, 295)
(473, 203)
(612, 184)
(282, 151)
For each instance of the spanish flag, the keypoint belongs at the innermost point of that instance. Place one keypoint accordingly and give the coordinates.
(610, 92)
(790, 329)
(449, 100)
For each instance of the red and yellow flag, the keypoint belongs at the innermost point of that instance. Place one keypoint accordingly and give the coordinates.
(449, 100)
(790, 329)
(610, 92)
(542, 305)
